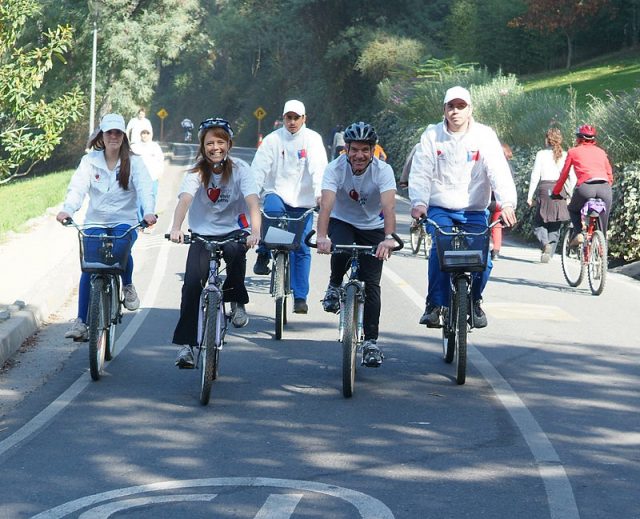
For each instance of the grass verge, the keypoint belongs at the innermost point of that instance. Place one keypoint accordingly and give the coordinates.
(25, 199)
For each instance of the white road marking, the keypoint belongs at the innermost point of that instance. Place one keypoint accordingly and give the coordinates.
(279, 506)
(562, 503)
(368, 507)
(55, 407)
(106, 511)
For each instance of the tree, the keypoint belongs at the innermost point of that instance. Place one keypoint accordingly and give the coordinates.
(30, 125)
(564, 16)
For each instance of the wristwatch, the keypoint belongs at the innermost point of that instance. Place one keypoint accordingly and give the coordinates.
(389, 237)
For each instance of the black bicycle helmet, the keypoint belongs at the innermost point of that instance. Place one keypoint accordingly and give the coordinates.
(360, 132)
(215, 122)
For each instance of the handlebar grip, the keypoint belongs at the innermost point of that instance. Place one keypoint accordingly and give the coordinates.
(400, 245)
(307, 240)
(67, 221)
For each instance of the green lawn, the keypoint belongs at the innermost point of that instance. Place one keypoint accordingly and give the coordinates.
(24, 199)
(616, 73)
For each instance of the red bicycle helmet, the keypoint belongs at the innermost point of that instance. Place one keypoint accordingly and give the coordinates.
(586, 132)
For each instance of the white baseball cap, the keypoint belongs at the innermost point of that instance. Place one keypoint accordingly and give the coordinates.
(112, 122)
(295, 106)
(457, 92)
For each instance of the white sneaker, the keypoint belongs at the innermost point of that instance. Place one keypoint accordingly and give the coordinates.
(78, 331)
(131, 301)
(184, 360)
(239, 317)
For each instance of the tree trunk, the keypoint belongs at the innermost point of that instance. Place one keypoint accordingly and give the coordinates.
(569, 50)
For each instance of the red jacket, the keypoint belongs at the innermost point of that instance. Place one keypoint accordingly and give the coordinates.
(589, 162)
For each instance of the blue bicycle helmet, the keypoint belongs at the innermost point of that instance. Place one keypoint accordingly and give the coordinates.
(215, 122)
(360, 132)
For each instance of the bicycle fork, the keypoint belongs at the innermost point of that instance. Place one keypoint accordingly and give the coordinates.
(359, 311)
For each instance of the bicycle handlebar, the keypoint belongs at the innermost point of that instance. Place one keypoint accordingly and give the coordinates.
(187, 239)
(285, 217)
(371, 248)
(69, 222)
(424, 219)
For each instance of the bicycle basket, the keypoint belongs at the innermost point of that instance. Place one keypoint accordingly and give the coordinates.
(463, 250)
(103, 253)
(282, 232)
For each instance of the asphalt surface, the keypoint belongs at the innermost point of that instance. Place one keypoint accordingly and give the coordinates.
(547, 424)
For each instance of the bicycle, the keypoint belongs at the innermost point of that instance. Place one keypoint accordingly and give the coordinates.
(419, 236)
(212, 317)
(282, 235)
(105, 257)
(591, 254)
(460, 253)
(351, 294)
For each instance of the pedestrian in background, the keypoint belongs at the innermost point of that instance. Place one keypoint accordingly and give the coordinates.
(135, 126)
(115, 179)
(153, 159)
(288, 167)
(495, 210)
(550, 213)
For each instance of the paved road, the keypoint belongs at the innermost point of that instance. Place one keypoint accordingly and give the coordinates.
(547, 425)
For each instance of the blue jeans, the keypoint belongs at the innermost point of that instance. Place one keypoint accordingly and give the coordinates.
(299, 259)
(85, 278)
(439, 282)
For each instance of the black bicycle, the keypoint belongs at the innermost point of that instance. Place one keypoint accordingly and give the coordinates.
(461, 251)
(282, 235)
(103, 254)
(352, 292)
(212, 317)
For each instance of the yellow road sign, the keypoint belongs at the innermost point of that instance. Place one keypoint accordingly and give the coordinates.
(260, 113)
(162, 113)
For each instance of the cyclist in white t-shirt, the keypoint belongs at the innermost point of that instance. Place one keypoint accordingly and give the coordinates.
(218, 192)
(358, 206)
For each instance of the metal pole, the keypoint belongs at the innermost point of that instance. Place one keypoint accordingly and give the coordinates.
(92, 109)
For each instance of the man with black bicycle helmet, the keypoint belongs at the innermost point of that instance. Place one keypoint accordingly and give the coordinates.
(594, 178)
(358, 206)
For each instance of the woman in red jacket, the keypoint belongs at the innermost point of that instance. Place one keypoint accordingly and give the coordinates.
(594, 179)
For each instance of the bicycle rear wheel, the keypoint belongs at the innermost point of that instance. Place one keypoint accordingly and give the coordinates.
(349, 341)
(415, 233)
(597, 268)
(98, 334)
(461, 307)
(209, 349)
(279, 293)
(572, 265)
(114, 297)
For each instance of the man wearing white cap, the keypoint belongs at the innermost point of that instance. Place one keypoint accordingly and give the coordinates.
(457, 164)
(288, 166)
(135, 126)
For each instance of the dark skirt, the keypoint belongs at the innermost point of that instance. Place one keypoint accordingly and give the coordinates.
(550, 210)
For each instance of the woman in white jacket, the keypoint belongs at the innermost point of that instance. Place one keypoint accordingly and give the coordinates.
(114, 178)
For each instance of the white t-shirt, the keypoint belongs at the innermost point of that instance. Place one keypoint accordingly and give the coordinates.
(545, 168)
(135, 126)
(358, 200)
(152, 155)
(220, 208)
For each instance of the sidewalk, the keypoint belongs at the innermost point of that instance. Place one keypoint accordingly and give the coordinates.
(40, 268)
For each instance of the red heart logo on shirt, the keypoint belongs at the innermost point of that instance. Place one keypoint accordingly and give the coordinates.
(354, 195)
(213, 193)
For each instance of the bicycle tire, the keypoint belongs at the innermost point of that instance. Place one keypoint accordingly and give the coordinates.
(114, 297)
(415, 235)
(448, 340)
(426, 243)
(460, 328)
(349, 341)
(279, 293)
(572, 265)
(598, 264)
(208, 348)
(97, 329)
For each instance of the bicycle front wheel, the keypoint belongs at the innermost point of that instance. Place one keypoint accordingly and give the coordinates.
(461, 306)
(98, 334)
(279, 292)
(209, 349)
(448, 337)
(114, 298)
(349, 341)
(415, 233)
(597, 268)
(572, 265)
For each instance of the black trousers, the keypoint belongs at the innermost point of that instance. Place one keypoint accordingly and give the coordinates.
(342, 233)
(195, 278)
(581, 194)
